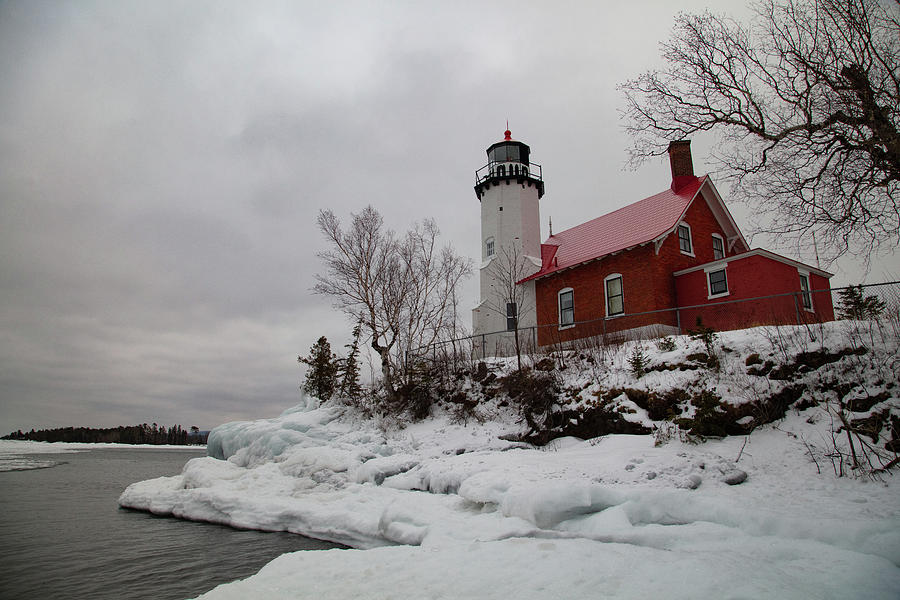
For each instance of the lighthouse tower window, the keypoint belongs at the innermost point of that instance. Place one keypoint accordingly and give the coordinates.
(512, 316)
(489, 248)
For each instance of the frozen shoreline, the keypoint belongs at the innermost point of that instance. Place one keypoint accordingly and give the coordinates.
(438, 509)
(575, 505)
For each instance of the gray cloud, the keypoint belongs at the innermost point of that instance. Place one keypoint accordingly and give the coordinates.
(162, 165)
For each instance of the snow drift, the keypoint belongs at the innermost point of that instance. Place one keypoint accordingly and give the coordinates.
(443, 509)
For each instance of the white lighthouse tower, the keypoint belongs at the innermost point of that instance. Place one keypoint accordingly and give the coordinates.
(509, 187)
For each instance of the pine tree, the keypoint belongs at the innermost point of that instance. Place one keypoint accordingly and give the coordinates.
(638, 361)
(855, 305)
(705, 334)
(321, 377)
(350, 387)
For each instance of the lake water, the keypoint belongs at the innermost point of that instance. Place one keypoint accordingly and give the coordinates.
(62, 535)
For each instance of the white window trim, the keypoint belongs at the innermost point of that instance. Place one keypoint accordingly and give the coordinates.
(559, 307)
(690, 239)
(489, 243)
(805, 274)
(709, 294)
(724, 251)
(606, 296)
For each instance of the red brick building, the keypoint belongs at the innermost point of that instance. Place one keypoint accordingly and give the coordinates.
(664, 261)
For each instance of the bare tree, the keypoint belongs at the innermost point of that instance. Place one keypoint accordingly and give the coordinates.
(507, 268)
(806, 102)
(403, 290)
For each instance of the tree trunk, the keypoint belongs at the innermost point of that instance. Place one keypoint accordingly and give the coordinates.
(386, 371)
(518, 350)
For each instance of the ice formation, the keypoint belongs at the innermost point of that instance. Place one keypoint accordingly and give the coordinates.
(443, 510)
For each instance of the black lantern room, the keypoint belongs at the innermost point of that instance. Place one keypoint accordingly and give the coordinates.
(508, 161)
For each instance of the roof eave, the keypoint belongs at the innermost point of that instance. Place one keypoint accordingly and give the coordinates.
(755, 252)
(582, 263)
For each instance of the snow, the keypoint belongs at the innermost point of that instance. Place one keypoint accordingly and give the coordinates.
(442, 510)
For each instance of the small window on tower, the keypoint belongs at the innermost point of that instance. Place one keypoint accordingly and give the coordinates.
(512, 316)
(489, 248)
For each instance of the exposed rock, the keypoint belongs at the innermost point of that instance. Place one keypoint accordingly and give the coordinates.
(692, 482)
(871, 425)
(481, 372)
(735, 477)
(761, 371)
(866, 404)
(545, 364)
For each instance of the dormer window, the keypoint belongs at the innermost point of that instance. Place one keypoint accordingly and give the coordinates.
(718, 246)
(684, 239)
(489, 247)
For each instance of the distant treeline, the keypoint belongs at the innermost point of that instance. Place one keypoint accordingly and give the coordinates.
(132, 434)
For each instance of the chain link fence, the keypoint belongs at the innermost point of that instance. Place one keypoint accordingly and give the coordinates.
(869, 301)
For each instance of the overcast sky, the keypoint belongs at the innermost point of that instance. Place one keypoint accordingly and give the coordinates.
(162, 164)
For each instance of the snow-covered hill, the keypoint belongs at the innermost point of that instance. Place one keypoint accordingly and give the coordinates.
(445, 509)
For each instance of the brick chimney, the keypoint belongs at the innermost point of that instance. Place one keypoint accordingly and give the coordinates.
(681, 163)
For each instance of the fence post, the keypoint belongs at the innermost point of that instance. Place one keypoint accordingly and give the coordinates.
(678, 319)
(534, 339)
(797, 309)
(483, 347)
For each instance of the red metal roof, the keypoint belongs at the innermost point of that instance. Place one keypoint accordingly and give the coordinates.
(633, 225)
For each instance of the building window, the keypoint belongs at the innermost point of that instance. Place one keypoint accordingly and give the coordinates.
(512, 316)
(489, 247)
(566, 308)
(684, 239)
(718, 246)
(805, 296)
(718, 283)
(615, 296)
